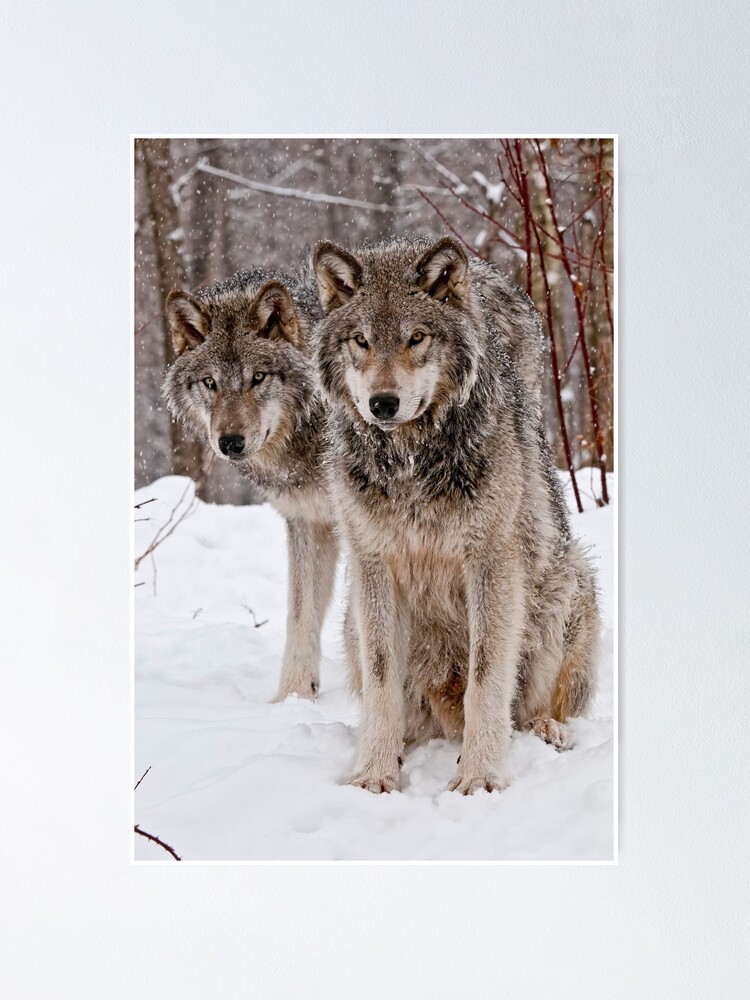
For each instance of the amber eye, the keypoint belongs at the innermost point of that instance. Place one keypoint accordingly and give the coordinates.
(258, 377)
(209, 382)
(417, 337)
(361, 340)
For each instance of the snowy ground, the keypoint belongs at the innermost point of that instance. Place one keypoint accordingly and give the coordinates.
(233, 777)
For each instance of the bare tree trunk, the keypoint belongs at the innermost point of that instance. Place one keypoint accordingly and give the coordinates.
(187, 454)
(387, 161)
(206, 261)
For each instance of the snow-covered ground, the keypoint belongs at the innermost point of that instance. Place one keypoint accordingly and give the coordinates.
(233, 777)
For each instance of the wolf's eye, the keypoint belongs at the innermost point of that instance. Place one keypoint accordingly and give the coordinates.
(209, 382)
(417, 337)
(258, 377)
(361, 340)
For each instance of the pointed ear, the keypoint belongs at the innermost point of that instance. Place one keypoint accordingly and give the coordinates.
(339, 275)
(273, 314)
(189, 320)
(443, 272)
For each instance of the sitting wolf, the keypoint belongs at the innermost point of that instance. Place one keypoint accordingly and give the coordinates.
(242, 381)
(471, 605)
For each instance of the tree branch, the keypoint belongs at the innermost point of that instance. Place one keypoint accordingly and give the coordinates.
(156, 840)
(455, 181)
(142, 777)
(445, 221)
(280, 192)
(577, 288)
(166, 529)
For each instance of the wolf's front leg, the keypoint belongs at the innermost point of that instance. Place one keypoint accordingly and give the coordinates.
(312, 550)
(382, 642)
(495, 605)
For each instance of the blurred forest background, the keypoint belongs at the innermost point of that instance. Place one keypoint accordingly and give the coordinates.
(543, 210)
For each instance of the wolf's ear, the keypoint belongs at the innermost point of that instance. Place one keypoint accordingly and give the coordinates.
(443, 271)
(339, 275)
(274, 315)
(189, 320)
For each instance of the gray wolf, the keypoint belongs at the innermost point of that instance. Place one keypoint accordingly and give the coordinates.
(242, 381)
(471, 607)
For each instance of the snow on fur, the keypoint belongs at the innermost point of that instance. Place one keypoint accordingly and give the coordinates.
(234, 777)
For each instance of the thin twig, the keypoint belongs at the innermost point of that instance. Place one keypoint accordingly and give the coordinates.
(509, 234)
(166, 529)
(256, 623)
(146, 323)
(142, 777)
(443, 218)
(156, 840)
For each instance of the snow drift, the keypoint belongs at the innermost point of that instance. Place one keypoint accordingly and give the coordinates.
(235, 778)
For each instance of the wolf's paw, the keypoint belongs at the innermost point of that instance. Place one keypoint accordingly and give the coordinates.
(468, 780)
(551, 731)
(374, 782)
(307, 688)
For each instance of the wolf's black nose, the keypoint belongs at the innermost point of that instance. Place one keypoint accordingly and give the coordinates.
(232, 445)
(384, 405)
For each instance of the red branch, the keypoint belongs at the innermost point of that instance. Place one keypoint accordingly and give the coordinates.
(148, 322)
(445, 221)
(526, 213)
(576, 287)
(556, 372)
(548, 240)
(604, 216)
(517, 243)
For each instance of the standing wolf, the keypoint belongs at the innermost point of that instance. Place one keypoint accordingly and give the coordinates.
(242, 381)
(471, 604)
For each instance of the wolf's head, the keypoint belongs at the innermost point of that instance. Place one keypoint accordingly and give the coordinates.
(399, 337)
(240, 379)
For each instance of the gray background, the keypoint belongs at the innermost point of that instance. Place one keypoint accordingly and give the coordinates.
(672, 919)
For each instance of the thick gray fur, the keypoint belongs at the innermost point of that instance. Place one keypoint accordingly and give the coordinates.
(258, 322)
(472, 608)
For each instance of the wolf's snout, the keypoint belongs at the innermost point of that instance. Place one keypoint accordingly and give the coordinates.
(384, 405)
(232, 445)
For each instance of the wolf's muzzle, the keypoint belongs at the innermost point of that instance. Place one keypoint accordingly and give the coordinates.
(384, 405)
(232, 445)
